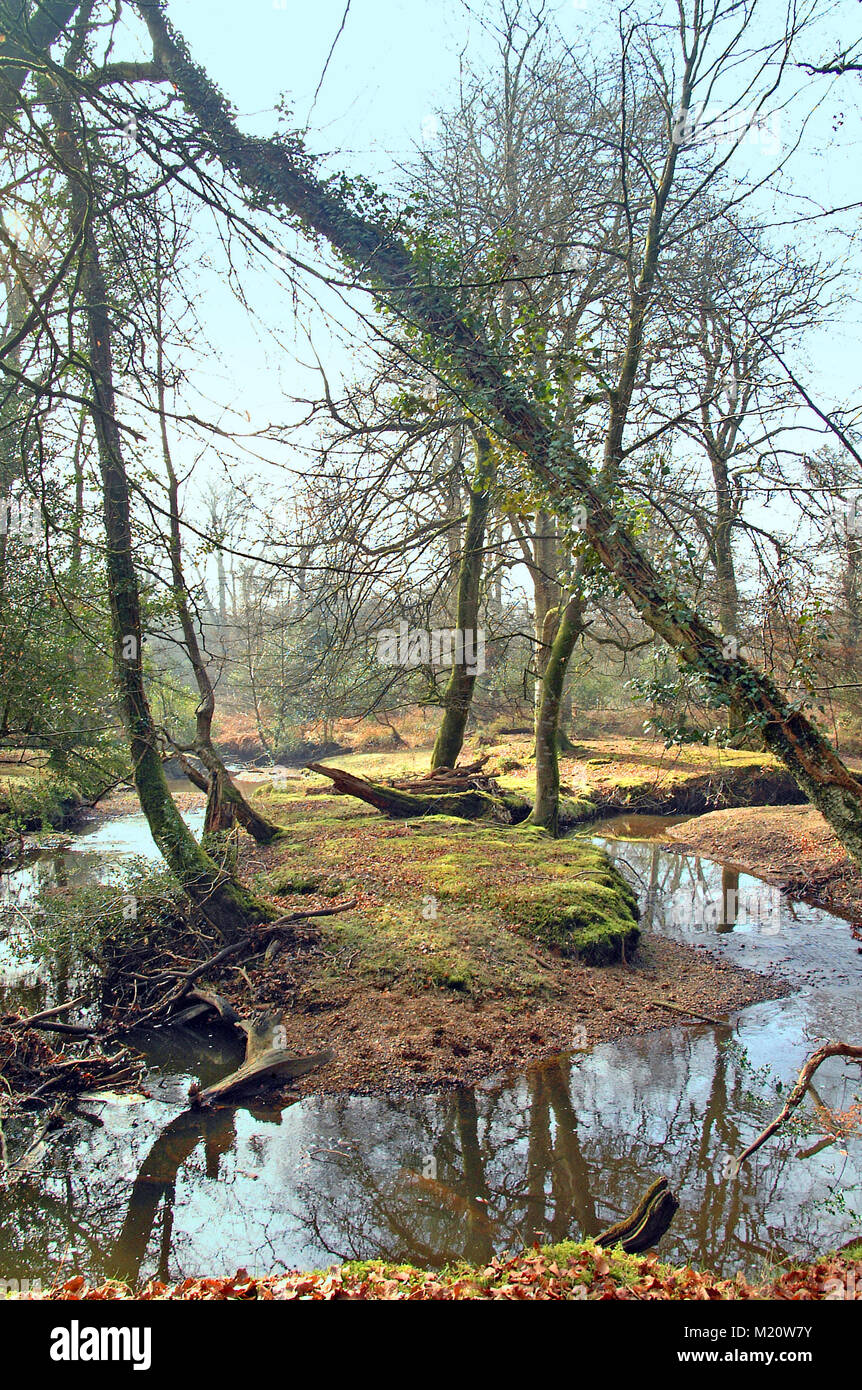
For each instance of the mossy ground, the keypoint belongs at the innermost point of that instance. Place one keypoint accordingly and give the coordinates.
(465, 950)
(442, 902)
(615, 773)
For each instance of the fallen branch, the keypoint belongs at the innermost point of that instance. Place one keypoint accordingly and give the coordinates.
(797, 1095)
(263, 1060)
(36, 1019)
(456, 798)
(690, 1013)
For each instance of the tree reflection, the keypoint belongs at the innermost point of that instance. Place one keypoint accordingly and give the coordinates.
(555, 1154)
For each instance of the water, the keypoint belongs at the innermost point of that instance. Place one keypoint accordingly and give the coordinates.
(142, 1186)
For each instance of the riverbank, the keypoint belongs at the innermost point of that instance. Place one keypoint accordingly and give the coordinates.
(571, 1271)
(791, 846)
(31, 801)
(614, 773)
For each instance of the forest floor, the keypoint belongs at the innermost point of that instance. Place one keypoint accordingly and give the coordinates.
(572, 1271)
(438, 974)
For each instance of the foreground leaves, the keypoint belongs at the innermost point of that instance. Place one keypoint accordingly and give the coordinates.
(590, 1274)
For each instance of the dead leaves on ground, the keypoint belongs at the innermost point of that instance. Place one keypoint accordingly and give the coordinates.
(592, 1274)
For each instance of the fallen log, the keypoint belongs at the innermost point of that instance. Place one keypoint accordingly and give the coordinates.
(688, 1013)
(263, 1061)
(646, 1224)
(498, 806)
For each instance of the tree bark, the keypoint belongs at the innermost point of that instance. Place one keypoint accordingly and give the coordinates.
(467, 805)
(459, 690)
(546, 806)
(725, 576)
(229, 907)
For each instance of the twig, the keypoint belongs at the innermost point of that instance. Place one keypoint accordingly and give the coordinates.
(691, 1013)
(830, 1049)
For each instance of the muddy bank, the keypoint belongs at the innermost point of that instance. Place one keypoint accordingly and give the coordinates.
(395, 1040)
(428, 980)
(682, 792)
(791, 846)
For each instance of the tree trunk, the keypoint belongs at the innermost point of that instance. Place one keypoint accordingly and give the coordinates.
(725, 577)
(547, 597)
(546, 807)
(225, 904)
(459, 691)
(467, 805)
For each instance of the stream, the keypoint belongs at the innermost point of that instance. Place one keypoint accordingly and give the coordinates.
(139, 1186)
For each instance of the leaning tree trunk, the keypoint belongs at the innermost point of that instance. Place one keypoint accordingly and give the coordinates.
(546, 807)
(225, 802)
(272, 170)
(459, 691)
(225, 904)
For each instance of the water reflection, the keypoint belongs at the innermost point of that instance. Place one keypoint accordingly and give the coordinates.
(556, 1153)
(136, 1188)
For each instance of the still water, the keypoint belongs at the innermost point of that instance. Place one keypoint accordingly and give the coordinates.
(137, 1186)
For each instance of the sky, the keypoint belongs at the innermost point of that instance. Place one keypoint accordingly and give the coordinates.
(394, 63)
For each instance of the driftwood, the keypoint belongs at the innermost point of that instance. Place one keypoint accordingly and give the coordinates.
(263, 1060)
(181, 990)
(647, 1223)
(463, 777)
(442, 793)
(797, 1095)
(46, 1020)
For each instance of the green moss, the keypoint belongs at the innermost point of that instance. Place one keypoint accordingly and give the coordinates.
(288, 880)
(589, 912)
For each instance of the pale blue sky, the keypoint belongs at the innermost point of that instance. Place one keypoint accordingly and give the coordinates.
(395, 62)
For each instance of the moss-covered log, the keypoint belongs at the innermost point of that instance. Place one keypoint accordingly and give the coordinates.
(647, 1223)
(466, 805)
